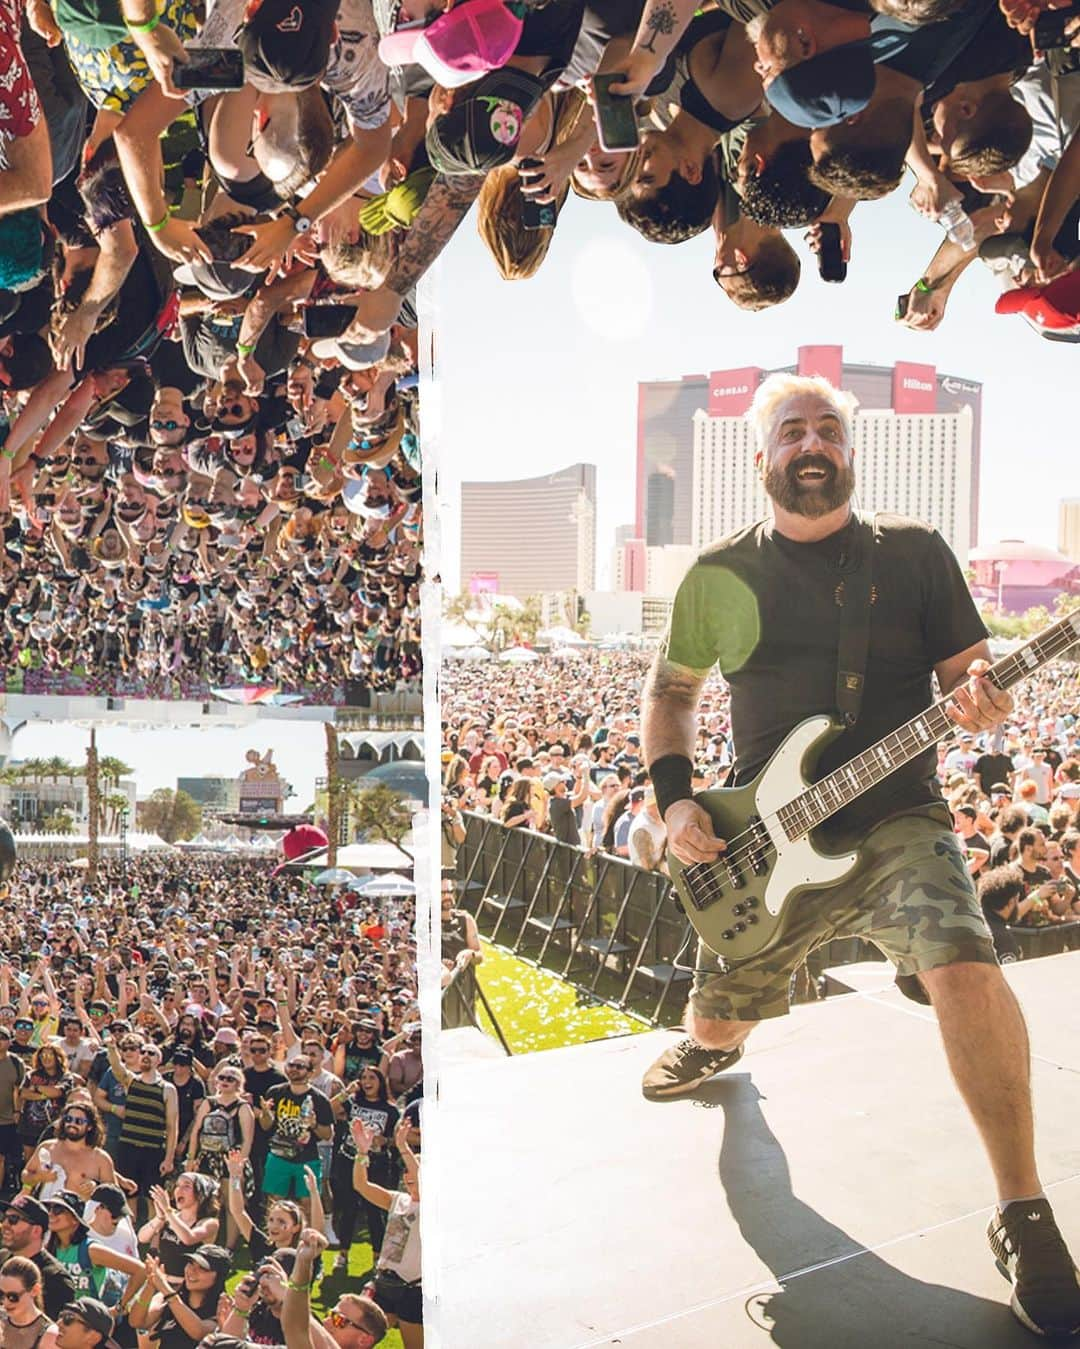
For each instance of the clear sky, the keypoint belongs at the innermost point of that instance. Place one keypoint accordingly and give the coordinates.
(538, 374)
(159, 757)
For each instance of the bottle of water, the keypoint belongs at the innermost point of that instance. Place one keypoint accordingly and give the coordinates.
(956, 223)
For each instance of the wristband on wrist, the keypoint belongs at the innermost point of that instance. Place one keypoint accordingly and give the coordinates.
(923, 285)
(244, 1316)
(147, 27)
(297, 1287)
(161, 223)
(670, 776)
(245, 348)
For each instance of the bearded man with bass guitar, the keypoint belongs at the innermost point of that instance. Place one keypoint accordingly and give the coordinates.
(819, 610)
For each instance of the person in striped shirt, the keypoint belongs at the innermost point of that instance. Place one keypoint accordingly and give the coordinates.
(147, 1145)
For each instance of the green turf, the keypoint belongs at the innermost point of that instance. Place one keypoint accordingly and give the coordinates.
(538, 1010)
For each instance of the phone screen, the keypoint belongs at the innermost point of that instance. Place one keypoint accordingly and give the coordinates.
(210, 68)
(616, 120)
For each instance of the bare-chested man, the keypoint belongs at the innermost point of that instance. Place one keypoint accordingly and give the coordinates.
(73, 1160)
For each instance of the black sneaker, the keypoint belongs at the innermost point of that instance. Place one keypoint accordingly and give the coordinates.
(1032, 1254)
(684, 1067)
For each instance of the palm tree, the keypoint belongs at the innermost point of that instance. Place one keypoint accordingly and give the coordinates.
(56, 768)
(114, 805)
(110, 771)
(333, 795)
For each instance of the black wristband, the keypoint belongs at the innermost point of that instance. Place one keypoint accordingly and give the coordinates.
(671, 775)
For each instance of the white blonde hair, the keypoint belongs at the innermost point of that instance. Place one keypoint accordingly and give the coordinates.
(778, 388)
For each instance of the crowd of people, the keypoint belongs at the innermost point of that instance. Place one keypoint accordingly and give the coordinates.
(555, 746)
(203, 480)
(754, 119)
(208, 1077)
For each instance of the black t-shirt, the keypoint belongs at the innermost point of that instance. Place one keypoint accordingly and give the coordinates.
(993, 768)
(293, 1116)
(765, 608)
(1034, 878)
(140, 301)
(57, 1284)
(563, 824)
(925, 52)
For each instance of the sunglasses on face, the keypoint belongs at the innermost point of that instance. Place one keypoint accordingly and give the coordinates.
(170, 425)
(12, 1219)
(11, 1298)
(70, 1318)
(338, 1319)
(75, 1119)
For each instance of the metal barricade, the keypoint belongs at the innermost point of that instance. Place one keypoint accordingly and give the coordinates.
(607, 927)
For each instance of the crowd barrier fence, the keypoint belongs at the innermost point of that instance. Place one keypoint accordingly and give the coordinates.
(616, 932)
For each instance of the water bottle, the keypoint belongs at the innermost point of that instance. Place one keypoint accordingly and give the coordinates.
(956, 223)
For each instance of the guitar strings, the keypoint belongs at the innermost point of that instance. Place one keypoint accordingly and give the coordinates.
(734, 856)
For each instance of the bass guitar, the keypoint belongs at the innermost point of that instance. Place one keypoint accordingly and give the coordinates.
(739, 903)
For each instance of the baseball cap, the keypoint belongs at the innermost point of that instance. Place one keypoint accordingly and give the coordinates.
(999, 788)
(551, 780)
(183, 1056)
(95, 1314)
(474, 37)
(29, 1208)
(217, 280)
(287, 42)
(352, 355)
(111, 1198)
(226, 1036)
(827, 89)
(482, 129)
(212, 1257)
(1054, 307)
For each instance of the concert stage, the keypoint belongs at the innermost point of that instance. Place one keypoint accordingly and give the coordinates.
(829, 1193)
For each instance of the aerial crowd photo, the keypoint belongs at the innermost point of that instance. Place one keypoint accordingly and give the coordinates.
(709, 755)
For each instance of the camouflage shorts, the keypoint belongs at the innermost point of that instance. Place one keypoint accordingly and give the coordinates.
(911, 896)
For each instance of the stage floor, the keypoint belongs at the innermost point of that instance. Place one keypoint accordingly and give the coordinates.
(830, 1192)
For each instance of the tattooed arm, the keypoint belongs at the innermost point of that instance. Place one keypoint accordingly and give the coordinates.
(669, 726)
(669, 707)
(445, 207)
(663, 22)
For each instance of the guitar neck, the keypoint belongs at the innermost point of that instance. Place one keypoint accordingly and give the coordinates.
(844, 784)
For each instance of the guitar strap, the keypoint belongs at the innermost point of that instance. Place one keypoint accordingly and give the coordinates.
(854, 598)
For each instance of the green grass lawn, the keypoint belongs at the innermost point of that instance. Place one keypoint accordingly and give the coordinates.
(538, 1010)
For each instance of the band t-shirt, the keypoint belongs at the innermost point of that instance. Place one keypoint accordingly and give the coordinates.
(766, 609)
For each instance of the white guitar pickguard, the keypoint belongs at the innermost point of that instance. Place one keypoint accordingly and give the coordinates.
(798, 865)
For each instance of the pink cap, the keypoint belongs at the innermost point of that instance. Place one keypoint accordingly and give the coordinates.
(474, 37)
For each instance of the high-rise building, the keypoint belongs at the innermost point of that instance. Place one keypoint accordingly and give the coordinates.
(530, 535)
(1069, 528)
(916, 464)
(905, 403)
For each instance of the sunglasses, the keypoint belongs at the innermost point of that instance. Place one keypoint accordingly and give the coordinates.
(336, 1318)
(14, 1297)
(12, 1219)
(70, 1318)
(158, 425)
(75, 1119)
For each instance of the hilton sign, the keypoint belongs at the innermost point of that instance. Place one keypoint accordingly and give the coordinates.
(914, 388)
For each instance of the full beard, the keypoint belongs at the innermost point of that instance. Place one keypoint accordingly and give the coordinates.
(812, 499)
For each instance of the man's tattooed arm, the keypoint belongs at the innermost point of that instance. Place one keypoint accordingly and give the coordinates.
(445, 207)
(669, 709)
